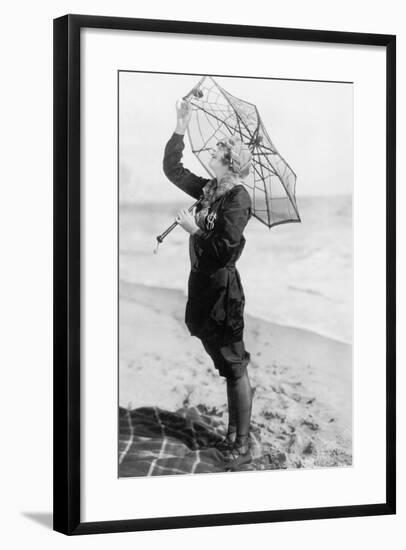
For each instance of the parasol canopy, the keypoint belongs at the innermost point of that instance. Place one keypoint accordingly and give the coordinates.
(217, 115)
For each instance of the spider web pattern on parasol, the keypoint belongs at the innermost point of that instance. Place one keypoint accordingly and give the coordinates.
(218, 115)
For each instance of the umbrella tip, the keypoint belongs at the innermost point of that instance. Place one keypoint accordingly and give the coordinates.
(197, 92)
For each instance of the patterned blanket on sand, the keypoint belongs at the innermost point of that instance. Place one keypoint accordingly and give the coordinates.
(155, 442)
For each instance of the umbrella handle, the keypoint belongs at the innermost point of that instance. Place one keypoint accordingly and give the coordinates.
(162, 236)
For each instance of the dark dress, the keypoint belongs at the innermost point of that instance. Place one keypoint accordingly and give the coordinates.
(215, 306)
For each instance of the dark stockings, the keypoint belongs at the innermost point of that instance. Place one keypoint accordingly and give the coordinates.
(239, 397)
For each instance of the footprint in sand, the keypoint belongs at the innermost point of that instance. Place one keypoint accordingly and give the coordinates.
(309, 448)
(286, 390)
(310, 424)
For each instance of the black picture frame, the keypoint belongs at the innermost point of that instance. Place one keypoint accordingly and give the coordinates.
(67, 273)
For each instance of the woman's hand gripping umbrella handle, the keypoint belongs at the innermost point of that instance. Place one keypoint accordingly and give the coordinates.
(162, 236)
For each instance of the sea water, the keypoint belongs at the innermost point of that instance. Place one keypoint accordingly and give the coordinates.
(296, 274)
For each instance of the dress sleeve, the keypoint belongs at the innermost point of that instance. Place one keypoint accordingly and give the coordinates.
(221, 242)
(176, 172)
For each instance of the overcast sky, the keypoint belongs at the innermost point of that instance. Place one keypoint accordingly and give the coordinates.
(310, 123)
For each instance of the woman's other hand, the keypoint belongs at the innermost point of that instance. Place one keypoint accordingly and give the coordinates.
(183, 115)
(187, 221)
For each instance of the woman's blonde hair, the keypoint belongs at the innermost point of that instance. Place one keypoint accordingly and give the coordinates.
(236, 155)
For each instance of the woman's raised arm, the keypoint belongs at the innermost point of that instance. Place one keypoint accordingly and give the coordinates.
(172, 162)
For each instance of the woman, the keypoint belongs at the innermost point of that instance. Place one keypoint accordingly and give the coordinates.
(215, 306)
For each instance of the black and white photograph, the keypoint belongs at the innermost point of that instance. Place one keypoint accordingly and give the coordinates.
(235, 269)
(202, 237)
(224, 241)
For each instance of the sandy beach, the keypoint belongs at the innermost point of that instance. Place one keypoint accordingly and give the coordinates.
(302, 382)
